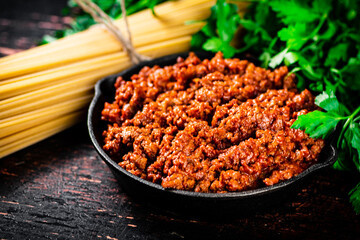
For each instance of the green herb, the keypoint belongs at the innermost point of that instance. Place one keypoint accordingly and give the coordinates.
(317, 39)
(313, 37)
(219, 30)
(355, 197)
(83, 21)
(320, 124)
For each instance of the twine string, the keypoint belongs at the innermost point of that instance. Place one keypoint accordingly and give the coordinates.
(124, 15)
(101, 17)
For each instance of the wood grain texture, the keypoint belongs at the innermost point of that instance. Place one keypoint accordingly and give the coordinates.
(23, 23)
(61, 189)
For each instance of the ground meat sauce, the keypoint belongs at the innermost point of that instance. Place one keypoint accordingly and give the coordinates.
(218, 125)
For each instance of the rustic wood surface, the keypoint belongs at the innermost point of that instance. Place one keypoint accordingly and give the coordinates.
(61, 189)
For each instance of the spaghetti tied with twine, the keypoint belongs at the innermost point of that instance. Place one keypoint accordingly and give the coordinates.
(101, 17)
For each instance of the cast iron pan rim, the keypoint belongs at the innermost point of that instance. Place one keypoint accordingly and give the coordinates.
(219, 196)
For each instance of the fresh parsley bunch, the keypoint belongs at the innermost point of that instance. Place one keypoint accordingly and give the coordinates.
(317, 39)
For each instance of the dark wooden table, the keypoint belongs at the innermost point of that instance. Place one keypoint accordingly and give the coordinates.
(61, 189)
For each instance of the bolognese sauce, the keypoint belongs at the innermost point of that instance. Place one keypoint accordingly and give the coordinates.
(213, 125)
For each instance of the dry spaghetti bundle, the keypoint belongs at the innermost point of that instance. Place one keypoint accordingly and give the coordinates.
(47, 89)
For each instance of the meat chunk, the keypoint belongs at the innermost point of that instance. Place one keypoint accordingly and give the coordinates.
(212, 125)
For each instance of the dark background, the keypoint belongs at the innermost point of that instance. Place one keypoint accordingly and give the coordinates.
(60, 188)
(24, 22)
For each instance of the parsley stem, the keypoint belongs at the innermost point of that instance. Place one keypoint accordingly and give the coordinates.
(348, 121)
(318, 27)
(342, 132)
(355, 112)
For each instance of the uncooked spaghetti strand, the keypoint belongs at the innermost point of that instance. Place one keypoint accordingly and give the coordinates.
(63, 88)
(80, 52)
(153, 37)
(95, 34)
(99, 65)
(148, 23)
(24, 121)
(31, 136)
(31, 105)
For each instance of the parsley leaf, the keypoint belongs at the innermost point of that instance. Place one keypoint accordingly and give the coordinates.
(336, 53)
(220, 29)
(322, 124)
(295, 36)
(293, 11)
(329, 102)
(317, 124)
(355, 198)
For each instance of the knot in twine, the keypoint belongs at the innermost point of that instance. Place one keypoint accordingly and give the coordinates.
(101, 17)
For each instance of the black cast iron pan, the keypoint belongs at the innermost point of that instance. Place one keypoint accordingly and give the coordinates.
(185, 201)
